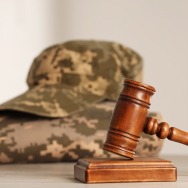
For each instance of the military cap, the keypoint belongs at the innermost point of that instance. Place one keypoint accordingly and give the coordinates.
(66, 78)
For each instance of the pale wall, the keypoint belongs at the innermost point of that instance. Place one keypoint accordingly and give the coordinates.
(157, 29)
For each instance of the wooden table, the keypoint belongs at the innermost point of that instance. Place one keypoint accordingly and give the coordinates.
(61, 175)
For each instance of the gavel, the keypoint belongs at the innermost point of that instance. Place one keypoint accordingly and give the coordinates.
(130, 119)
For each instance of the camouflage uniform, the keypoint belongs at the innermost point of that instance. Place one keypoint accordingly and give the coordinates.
(68, 86)
(28, 138)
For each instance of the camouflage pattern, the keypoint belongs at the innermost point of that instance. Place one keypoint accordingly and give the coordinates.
(28, 138)
(66, 78)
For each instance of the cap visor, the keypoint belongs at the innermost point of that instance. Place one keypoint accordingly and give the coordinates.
(52, 101)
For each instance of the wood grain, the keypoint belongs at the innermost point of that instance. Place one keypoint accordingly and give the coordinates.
(98, 170)
(162, 130)
(130, 119)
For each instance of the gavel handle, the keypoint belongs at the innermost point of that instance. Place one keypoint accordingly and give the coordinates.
(162, 130)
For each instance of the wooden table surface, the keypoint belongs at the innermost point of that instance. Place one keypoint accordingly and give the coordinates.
(56, 175)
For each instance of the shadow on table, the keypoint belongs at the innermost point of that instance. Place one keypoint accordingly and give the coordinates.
(72, 179)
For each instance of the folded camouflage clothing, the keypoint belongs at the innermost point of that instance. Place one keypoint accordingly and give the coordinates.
(63, 116)
(29, 138)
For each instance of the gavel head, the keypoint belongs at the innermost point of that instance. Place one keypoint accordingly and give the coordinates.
(129, 118)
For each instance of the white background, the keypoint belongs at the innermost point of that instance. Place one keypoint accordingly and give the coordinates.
(156, 29)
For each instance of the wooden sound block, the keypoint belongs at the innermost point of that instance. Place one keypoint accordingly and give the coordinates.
(140, 169)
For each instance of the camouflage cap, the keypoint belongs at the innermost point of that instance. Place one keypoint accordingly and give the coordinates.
(68, 77)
